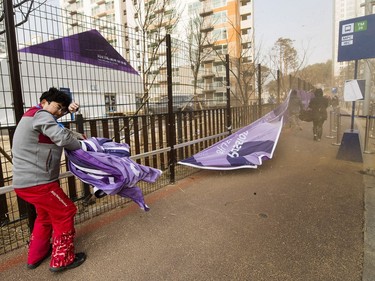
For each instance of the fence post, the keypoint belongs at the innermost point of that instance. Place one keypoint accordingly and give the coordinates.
(331, 121)
(14, 70)
(10, 30)
(371, 113)
(4, 218)
(179, 132)
(367, 135)
(278, 87)
(229, 113)
(71, 180)
(259, 91)
(80, 129)
(338, 142)
(171, 129)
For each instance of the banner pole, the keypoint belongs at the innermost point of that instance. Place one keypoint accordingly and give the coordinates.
(229, 114)
(353, 103)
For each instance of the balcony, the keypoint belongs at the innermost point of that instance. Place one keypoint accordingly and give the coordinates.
(72, 8)
(75, 20)
(100, 11)
(206, 11)
(208, 88)
(246, 24)
(207, 45)
(246, 39)
(207, 27)
(247, 59)
(208, 73)
(245, 10)
(208, 58)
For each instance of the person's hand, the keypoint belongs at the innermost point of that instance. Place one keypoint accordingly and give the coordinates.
(73, 107)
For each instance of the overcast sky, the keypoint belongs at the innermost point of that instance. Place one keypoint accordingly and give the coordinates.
(307, 22)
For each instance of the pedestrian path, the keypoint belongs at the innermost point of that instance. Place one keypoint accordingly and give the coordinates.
(300, 216)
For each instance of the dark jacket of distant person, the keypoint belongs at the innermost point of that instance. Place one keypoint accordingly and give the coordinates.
(318, 105)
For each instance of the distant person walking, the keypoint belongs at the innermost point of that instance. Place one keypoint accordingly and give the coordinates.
(318, 104)
(294, 109)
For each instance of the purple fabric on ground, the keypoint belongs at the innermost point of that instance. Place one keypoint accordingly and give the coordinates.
(248, 147)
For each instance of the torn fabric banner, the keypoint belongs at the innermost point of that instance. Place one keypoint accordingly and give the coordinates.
(246, 148)
(106, 165)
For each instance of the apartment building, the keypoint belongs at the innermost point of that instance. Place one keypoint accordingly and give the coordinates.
(227, 23)
(229, 26)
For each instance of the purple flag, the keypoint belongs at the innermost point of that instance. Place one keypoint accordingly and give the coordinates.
(106, 165)
(246, 148)
(86, 47)
(305, 97)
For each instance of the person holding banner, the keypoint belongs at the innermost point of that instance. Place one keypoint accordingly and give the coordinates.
(294, 108)
(38, 143)
(318, 105)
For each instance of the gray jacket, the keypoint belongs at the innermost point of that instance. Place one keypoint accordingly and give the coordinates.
(38, 143)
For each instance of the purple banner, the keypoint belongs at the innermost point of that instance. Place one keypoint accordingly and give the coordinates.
(246, 148)
(87, 47)
(305, 97)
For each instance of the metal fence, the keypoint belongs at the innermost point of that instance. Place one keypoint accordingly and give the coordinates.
(146, 134)
(115, 96)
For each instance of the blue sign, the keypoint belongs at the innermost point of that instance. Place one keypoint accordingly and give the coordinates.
(356, 39)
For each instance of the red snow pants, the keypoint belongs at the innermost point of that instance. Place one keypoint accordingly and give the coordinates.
(55, 217)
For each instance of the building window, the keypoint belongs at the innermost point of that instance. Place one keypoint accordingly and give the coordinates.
(218, 3)
(221, 49)
(219, 17)
(220, 98)
(219, 34)
(110, 102)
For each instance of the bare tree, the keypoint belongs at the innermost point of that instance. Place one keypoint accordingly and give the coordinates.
(22, 8)
(286, 58)
(155, 18)
(284, 55)
(318, 73)
(197, 37)
(241, 67)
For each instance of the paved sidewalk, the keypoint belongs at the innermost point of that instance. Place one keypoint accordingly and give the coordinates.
(369, 205)
(300, 216)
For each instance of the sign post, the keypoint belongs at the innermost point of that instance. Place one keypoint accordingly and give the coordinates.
(356, 41)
